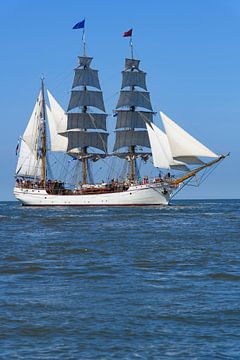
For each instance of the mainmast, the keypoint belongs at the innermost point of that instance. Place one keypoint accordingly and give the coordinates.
(83, 125)
(131, 123)
(43, 135)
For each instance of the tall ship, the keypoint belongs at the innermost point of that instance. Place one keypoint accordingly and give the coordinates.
(148, 165)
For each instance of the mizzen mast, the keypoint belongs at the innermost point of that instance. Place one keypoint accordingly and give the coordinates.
(43, 135)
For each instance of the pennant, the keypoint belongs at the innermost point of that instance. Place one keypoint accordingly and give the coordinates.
(128, 33)
(17, 148)
(79, 25)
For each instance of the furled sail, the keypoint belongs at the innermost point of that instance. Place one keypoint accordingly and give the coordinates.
(57, 121)
(161, 152)
(183, 144)
(29, 163)
(131, 138)
(133, 119)
(134, 98)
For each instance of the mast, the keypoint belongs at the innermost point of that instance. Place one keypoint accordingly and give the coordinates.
(81, 119)
(132, 147)
(131, 122)
(84, 148)
(43, 135)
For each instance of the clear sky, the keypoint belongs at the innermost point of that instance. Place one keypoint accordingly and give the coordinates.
(190, 50)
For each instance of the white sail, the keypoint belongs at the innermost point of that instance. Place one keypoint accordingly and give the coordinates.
(57, 121)
(161, 152)
(28, 162)
(181, 143)
(28, 165)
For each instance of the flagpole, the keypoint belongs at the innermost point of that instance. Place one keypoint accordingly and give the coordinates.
(129, 34)
(84, 42)
(81, 25)
(131, 46)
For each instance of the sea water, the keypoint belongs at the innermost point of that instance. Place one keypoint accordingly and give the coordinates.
(120, 283)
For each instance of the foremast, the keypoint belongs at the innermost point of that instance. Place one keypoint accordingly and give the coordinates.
(83, 125)
(130, 128)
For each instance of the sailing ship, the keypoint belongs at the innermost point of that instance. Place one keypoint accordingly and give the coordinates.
(81, 134)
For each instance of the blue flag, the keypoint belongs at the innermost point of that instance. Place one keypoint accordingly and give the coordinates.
(79, 25)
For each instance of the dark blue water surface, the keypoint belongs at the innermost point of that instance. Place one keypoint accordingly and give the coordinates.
(120, 283)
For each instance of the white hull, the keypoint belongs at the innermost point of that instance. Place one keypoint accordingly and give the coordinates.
(137, 195)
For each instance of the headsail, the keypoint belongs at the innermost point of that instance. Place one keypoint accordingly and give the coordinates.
(182, 144)
(161, 152)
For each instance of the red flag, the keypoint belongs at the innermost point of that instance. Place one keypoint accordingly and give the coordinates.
(128, 33)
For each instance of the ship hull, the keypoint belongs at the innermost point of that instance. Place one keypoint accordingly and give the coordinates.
(141, 195)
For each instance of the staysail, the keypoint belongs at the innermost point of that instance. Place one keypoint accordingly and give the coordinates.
(183, 145)
(57, 121)
(161, 152)
(29, 160)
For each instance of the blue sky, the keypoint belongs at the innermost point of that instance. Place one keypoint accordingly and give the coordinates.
(189, 49)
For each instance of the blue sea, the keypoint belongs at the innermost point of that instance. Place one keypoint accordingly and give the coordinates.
(120, 283)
